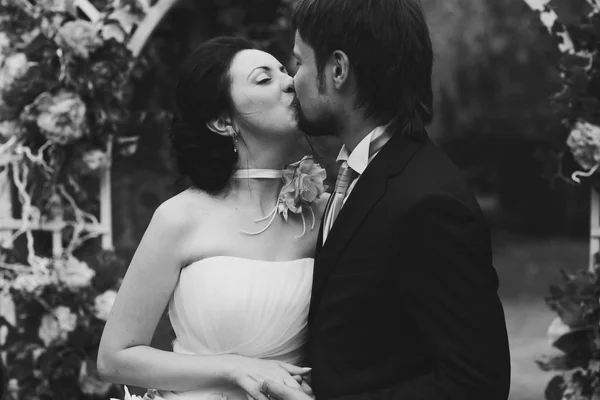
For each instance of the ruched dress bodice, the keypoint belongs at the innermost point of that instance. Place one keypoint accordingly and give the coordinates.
(233, 305)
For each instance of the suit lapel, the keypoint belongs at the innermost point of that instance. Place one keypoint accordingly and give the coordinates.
(321, 227)
(369, 189)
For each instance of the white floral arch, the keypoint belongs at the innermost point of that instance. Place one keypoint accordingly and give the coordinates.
(56, 307)
(10, 227)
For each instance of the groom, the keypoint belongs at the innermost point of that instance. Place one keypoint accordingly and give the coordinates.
(404, 303)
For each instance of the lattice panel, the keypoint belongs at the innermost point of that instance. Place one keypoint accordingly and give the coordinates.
(10, 225)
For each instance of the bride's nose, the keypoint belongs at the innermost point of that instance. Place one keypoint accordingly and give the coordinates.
(287, 85)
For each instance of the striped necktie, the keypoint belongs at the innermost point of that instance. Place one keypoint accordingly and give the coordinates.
(344, 178)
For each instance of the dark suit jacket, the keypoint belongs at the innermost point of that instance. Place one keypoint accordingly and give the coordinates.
(404, 303)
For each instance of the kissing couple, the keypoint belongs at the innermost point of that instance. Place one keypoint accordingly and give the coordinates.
(275, 288)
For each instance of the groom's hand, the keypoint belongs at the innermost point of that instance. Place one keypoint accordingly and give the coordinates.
(279, 391)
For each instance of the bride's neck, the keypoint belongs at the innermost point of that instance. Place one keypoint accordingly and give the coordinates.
(259, 191)
(257, 153)
(256, 187)
(269, 156)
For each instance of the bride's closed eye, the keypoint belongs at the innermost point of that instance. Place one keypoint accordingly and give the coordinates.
(264, 78)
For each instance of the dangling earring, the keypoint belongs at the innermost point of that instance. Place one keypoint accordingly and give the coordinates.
(234, 142)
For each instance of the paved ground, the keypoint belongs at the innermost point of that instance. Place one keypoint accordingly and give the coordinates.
(526, 328)
(526, 267)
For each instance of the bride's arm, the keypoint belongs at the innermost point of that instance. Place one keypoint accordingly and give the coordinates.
(125, 355)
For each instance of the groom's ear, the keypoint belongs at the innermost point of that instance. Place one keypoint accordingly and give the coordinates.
(223, 126)
(341, 69)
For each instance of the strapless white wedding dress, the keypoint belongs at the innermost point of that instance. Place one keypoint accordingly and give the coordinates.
(233, 305)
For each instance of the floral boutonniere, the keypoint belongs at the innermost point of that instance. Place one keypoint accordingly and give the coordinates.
(303, 184)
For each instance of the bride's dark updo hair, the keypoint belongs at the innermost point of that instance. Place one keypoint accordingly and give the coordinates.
(203, 93)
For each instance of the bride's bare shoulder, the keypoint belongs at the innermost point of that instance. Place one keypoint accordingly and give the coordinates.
(182, 210)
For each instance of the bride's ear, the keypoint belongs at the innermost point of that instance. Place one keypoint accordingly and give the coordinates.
(223, 126)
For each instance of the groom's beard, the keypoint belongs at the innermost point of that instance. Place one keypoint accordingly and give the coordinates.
(324, 125)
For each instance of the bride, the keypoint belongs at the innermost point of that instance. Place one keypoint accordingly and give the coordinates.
(232, 256)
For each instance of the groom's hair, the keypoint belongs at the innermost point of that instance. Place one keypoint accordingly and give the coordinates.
(390, 53)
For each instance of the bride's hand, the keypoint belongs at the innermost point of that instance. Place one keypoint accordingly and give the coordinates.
(250, 373)
(305, 382)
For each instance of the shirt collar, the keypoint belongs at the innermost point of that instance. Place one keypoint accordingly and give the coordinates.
(358, 160)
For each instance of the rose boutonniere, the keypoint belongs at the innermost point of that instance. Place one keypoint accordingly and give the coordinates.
(303, 184)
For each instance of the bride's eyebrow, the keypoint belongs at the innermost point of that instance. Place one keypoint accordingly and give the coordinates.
(264, 67)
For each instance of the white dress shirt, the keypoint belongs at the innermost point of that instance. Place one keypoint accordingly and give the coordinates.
(358, 160)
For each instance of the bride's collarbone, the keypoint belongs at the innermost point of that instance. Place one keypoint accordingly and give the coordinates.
(274, 244)
(219, 230)
(244, 234)
(252, 218)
